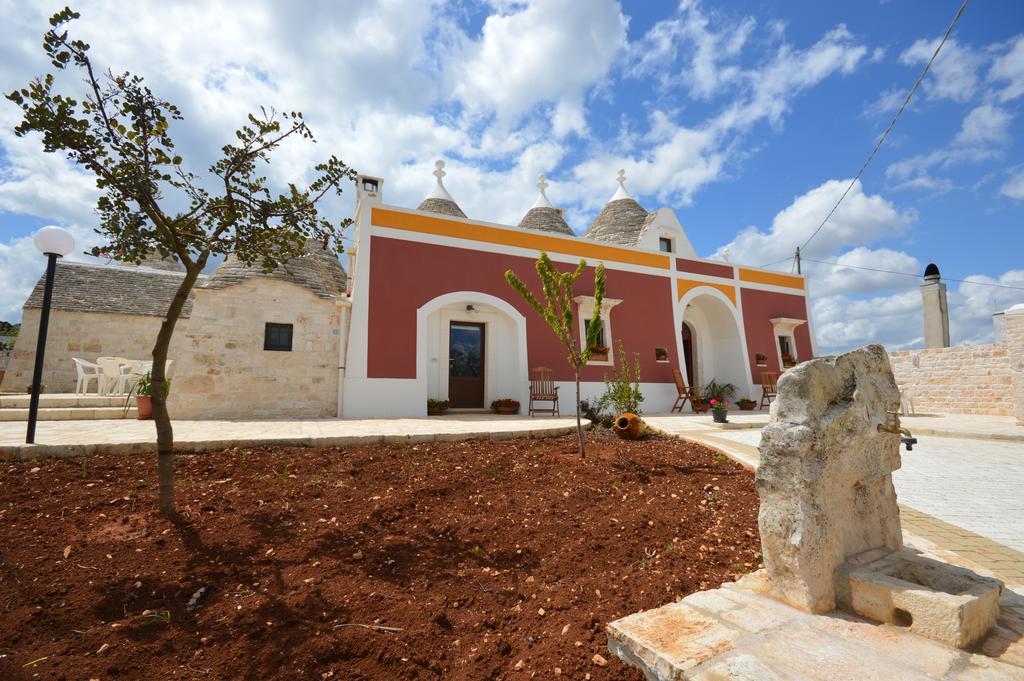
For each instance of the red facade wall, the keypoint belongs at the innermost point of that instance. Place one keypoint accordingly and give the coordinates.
(761, 306)
(707, 268)
(404, 275)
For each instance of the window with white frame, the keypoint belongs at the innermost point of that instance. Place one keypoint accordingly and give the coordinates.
(585, 309)
(784, 330)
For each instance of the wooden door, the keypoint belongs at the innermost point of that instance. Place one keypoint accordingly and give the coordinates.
(466, 365)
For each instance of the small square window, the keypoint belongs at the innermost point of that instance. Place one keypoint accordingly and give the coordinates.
(660, 354)
(278, 337)
(665, 245)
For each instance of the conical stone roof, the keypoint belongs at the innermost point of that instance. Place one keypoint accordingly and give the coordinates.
(622, 219)
(154, 261)
(317, 270)
(439, 200)
(543, 216)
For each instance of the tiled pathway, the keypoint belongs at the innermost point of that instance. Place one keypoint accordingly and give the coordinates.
(65, 438)
(962, 495)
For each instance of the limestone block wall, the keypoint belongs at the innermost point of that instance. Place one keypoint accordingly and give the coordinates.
(966, 379)
(226, 373)
(86, 335)
(1014, 334)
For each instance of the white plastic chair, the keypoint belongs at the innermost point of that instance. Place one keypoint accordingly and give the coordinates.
(87, 371)
(112, 380)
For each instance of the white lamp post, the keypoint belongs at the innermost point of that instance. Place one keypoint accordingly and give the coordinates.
(53, 242)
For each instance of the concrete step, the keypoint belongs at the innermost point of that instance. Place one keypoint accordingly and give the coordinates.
(69, 413)
(62, 400)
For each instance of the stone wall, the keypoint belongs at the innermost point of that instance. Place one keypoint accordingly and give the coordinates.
(85, 335)
(226, 373)
(966, 379)
(1014, 333)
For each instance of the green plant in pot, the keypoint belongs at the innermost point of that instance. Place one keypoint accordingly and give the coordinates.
(436, 407)
(142, 391)
(746, 404)
(720, 410)
(506, 405)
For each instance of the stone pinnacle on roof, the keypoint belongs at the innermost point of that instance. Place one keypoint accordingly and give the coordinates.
(439, 200)
(622, 219)
(318, 270)
(542, 215)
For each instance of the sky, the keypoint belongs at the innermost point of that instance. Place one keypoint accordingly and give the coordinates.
(749, 119)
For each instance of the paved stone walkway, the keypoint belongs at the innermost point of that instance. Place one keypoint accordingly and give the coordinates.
(739, 632)
(961, 495)
(70, 438)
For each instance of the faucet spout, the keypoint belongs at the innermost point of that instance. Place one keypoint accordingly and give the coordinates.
(892, 425)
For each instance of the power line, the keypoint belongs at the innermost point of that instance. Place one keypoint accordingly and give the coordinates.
(891, 123)
(908, 274)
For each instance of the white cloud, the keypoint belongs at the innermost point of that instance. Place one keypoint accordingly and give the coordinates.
(986, 124)
(954, 75)
(861, 219)
(1014, 187)
(537, 52)
(1008, 69)
(827, 280)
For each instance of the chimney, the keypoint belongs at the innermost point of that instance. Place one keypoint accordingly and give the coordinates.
(936, 312)
(369, 189)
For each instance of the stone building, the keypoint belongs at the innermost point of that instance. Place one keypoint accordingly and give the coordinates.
(424, 312)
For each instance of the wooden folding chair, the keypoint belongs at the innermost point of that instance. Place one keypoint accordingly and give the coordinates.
(684, 393)
(543, 389)
(769, 387)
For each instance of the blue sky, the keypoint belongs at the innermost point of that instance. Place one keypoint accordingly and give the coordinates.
(748, 119)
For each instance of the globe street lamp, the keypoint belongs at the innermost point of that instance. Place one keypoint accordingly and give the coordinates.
(53, 242)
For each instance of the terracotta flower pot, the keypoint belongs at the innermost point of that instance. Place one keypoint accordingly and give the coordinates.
(720, 415)
(144, 403)
(599, 356)
(700, 407)
(629, 426)
(507, 410)
(747, 406)
(28, 389)
(431, 411)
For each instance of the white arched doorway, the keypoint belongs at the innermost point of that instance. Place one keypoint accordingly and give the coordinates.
(711, 342)
(471, 350)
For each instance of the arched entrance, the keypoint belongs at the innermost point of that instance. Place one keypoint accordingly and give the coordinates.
(688, 365)
(712, 342)
(472, 350)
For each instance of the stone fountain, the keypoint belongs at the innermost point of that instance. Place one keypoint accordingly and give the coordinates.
(840, 596)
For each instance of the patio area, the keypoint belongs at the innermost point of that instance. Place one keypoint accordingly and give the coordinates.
(71, 438)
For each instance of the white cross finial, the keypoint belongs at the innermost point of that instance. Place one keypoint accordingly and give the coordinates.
(439, 170)
(622, 177)
(542, 185)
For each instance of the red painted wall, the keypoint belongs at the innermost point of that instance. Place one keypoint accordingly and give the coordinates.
(708, 268)
(404, 275)
(761, 306)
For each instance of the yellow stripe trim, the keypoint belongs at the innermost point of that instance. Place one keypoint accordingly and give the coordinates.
(772, 278)
(412, 222)
(685, 285)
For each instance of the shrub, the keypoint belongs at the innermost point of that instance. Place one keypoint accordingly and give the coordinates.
(622, 388)
(723, 392)
(504, 402)
(437, 404)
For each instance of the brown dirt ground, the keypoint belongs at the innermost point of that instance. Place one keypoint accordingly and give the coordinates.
(481, 554)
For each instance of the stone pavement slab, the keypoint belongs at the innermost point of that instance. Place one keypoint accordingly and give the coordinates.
(740, 632)
(70, 438)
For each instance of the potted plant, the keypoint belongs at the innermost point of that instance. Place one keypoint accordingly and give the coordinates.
(436, 407)
(42, 389)
(699, 404)
(599, 353)
(720, 410)
(505, 405)
(746, 404)
(788, 361)
(142, 391)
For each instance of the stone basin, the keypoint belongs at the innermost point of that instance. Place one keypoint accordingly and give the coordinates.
(937, 600)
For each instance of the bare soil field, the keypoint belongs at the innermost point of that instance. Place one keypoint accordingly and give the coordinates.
(465, 560)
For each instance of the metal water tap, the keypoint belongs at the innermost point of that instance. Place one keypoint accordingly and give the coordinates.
(892, 425)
